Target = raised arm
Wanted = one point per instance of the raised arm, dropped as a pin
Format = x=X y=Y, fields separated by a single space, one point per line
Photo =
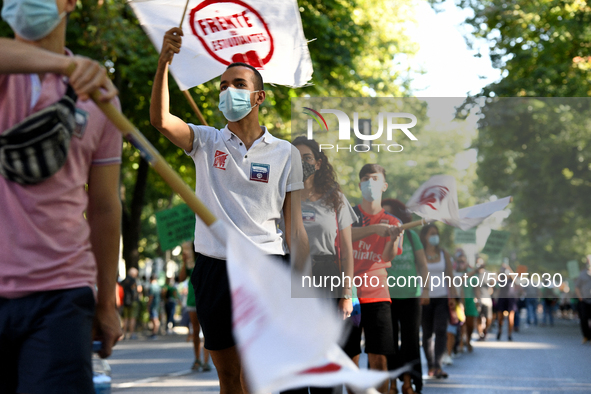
x=172 y=127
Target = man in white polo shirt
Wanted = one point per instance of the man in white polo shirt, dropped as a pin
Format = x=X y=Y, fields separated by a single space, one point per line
x=246 y=177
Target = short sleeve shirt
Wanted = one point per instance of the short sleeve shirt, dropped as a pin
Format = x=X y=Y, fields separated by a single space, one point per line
x=320 y=222
x=404 y=267
x=47 y=244
x=367 y=254
x=245 y=189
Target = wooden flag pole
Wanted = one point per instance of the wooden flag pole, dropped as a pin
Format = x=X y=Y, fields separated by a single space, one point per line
x=413 y=224
x=186 y=93
x=151 y=155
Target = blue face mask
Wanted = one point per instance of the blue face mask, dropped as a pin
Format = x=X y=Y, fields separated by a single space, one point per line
x=31 y=19
x=434 y=240
x=371 y=190
x=235 y=103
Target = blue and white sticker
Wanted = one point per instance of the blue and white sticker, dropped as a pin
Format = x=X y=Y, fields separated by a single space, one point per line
x=259 y=172
x=308 y=216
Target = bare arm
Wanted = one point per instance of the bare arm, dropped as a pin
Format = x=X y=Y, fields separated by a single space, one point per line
x=450 y=273
x=295 y=231
x=104 y=219
x=172 y=127
x=358 y=233
x=21 y=58
x=346 y=306
x=421 y=265
x=391 y=247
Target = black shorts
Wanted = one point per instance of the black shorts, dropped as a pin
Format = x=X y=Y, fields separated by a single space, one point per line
x=213 y=301
x=376 y=322
x=45 y=342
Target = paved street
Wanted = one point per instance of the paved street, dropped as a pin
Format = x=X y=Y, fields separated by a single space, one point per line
x=539 y=360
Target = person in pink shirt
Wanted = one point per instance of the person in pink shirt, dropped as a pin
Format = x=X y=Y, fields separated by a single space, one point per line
x=59 y=238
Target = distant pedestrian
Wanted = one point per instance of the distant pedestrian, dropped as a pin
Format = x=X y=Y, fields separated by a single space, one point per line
x=131 y=304
x=154 y=291
x=436 y=314
x=583 y=292
x=170 y=295
x=187 y=266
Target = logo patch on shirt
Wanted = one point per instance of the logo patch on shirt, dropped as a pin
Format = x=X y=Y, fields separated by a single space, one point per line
x=384 y=221
x=220 y=160
x=309 y=216
x=81 y=122
x=259 y=172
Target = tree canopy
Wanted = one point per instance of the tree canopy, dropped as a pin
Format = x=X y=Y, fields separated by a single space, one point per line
x=538 y=150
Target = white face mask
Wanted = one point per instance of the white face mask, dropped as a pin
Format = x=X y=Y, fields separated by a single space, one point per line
x=371 y=190
x=32 y=19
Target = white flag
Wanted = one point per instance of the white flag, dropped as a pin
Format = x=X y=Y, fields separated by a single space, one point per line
x=285 y=342
x=437 y=199
x=266 y=34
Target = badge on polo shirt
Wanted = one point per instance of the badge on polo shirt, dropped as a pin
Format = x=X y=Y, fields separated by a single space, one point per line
x=384 y=221
x=309 y=216
x=259 y=172
x=220 y=160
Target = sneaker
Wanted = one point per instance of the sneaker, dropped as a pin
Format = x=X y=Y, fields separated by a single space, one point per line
x=153 y=336
x=133 y=336
x=206 y=367
x=196 y=365
x=446 y=360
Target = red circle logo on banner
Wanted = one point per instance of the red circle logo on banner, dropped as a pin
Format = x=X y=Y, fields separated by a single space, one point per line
x=232 y=31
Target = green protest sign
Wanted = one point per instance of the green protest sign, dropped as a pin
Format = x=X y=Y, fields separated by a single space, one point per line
x=465 y=237
x=495 y=243
x=174 y=226
x=573 y=269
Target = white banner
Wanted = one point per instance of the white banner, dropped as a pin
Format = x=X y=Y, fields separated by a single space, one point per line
x=437 y=199
x=266 y=34
x=285 y=342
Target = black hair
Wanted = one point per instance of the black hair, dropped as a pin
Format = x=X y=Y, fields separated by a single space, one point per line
x=372 y=169
x=325 y=179
x=258 y=78
x=398 y=209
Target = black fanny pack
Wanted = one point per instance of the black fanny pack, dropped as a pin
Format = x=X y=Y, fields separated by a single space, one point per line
x=36 y=148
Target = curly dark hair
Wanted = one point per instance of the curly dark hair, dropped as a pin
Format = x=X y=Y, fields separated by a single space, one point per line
x=325 y=178
x=398 y=209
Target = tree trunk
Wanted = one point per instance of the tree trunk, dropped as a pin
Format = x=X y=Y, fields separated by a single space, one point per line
x=132 y=214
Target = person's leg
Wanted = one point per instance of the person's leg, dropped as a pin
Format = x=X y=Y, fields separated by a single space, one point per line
x=585 y=317
x=227 y=364
x=470 y=320
x=379 y=342
x=196 y=340
x=379 y=362
x=428 y=344
x=440 y=321
x=410 y=350
x=500 y=317
x=511 y=321
x=395 y=359
x=56 y=352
